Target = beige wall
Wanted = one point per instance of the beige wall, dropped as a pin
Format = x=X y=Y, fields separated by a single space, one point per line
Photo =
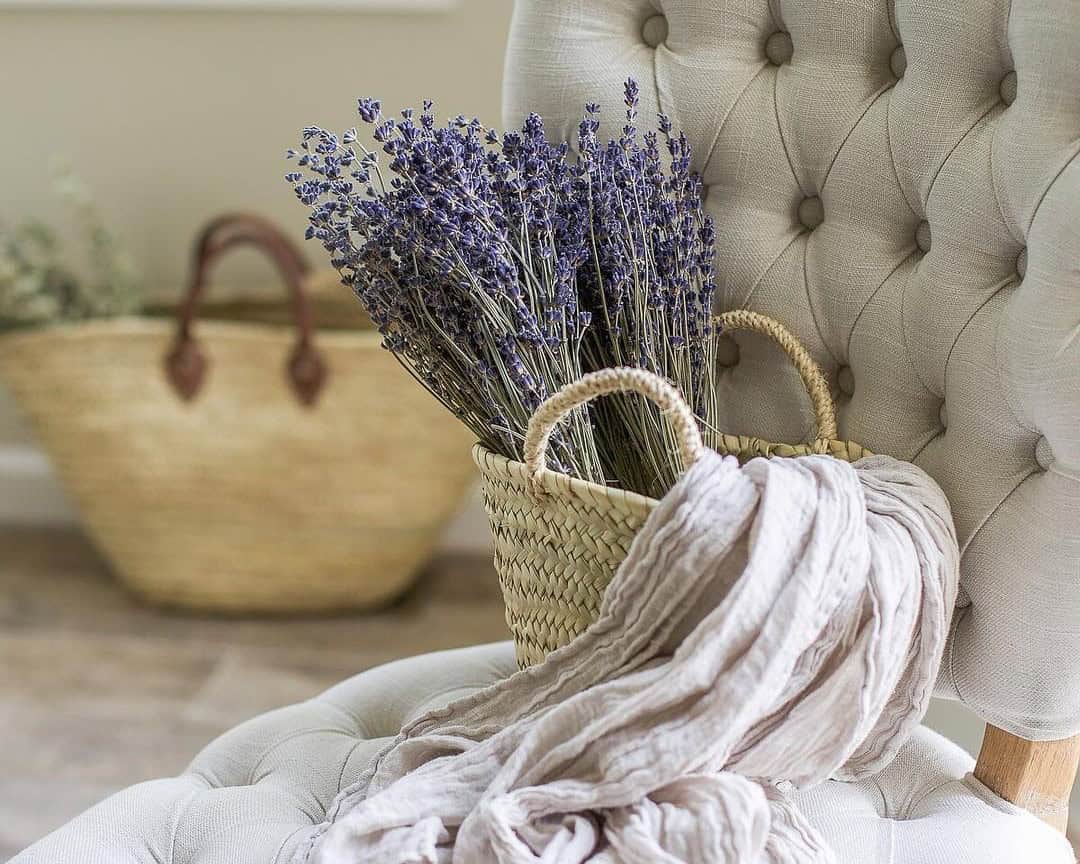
x=172 y=117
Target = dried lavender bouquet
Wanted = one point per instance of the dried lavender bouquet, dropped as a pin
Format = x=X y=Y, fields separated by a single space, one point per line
x=500 y=267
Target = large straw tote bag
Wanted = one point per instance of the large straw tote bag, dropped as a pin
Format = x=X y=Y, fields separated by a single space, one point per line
x=211 y=480
x=559 y=539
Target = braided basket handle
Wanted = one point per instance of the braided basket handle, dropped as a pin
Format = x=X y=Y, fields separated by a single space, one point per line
x=620 y=379
x=813 y=378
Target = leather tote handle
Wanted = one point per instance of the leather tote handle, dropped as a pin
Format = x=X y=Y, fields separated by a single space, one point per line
x=186 y=364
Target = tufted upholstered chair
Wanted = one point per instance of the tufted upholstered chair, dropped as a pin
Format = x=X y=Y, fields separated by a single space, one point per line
x=900 y=185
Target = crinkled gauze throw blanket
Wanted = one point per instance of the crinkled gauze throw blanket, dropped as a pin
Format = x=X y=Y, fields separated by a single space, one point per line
x=780 y=623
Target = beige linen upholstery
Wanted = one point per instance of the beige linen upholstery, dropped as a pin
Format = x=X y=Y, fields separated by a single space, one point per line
x=253 y=795
x=899 y=185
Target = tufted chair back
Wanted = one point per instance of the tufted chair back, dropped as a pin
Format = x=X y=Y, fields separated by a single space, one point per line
x=900 y=185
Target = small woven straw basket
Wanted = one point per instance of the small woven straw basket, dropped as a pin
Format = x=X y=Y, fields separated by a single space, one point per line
x=559 y=539
x=211 y=480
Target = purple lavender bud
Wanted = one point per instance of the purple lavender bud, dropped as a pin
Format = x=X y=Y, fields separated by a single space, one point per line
x=383 y=131
x=369 y=110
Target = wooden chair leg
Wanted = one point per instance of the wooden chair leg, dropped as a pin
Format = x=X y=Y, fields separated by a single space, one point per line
x=1035 y=775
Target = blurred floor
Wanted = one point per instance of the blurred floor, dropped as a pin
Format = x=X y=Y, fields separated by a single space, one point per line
x=98 y=692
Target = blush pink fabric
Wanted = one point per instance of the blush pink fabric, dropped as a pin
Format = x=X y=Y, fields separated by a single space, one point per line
x=773 y=626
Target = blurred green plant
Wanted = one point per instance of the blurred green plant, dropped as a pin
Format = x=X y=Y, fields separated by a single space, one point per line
x=39 y=285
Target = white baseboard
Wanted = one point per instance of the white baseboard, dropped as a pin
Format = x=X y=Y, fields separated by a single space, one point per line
x=469 y=532
x=29 y=490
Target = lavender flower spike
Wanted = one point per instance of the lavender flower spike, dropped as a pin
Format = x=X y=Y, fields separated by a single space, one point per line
x=500 y=267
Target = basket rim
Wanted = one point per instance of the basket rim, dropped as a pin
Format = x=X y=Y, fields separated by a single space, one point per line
x=557 y=483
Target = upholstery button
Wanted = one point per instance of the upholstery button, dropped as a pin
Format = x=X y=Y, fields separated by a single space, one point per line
x=1044 y=456
x=727 y=352
x=845 y=380
x=943 y=416
x=922 y=236
x=1007 y=88
x=811 y=212
x=898 y=61
x=778 y=48
x=1021 y=263
x=655 y=31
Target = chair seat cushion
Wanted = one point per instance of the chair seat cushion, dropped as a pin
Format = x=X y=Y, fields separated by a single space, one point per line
x=253 y=795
